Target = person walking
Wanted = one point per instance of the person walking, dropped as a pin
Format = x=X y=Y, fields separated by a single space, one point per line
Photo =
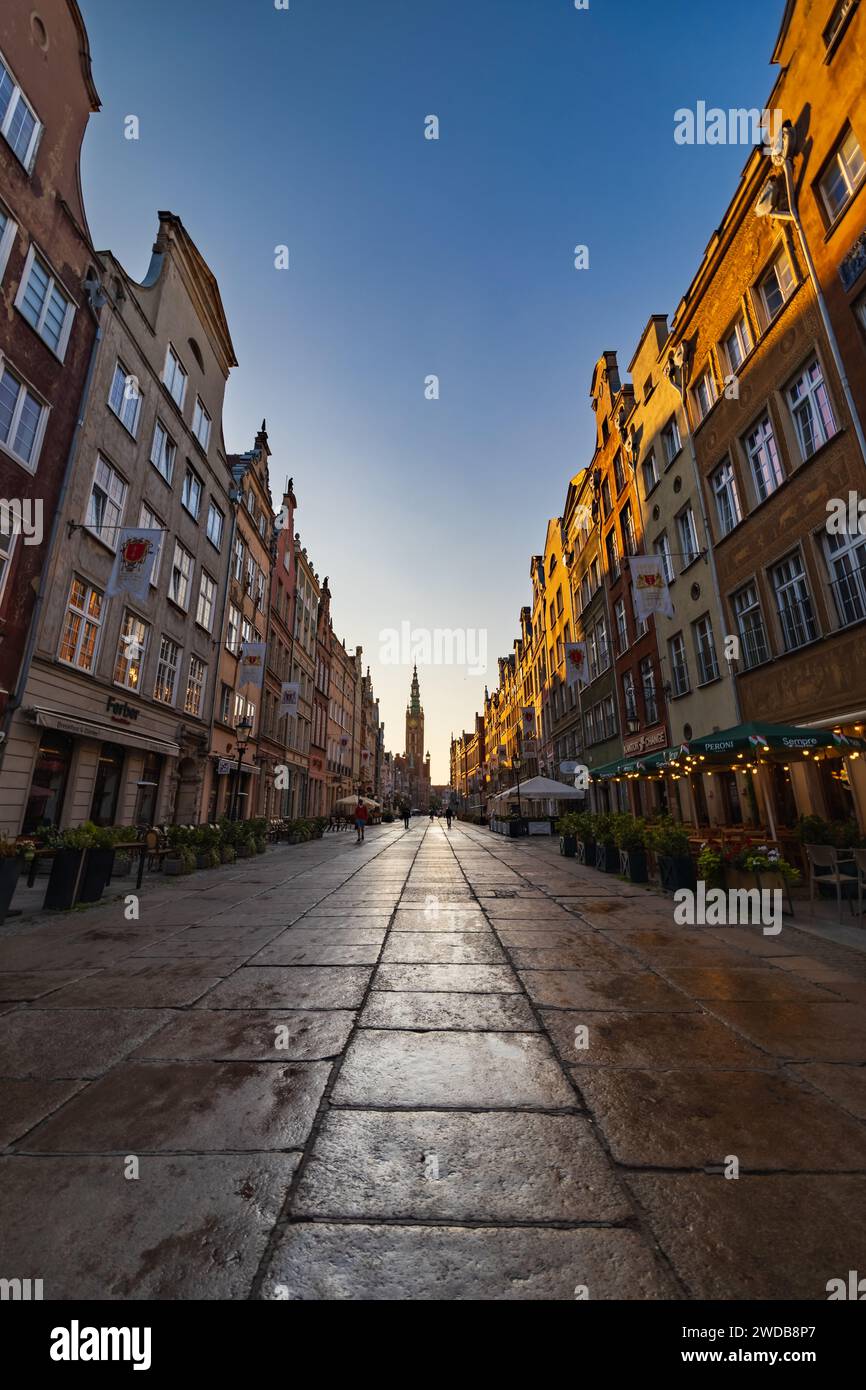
x=362 y=815
x=406 y=816
x=448 y=817
x=431 y=815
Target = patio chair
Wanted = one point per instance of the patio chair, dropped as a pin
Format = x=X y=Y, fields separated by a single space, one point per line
x=829 y=859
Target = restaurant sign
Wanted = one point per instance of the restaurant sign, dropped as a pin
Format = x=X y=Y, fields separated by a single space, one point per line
x=656 y=738
x=120 y=711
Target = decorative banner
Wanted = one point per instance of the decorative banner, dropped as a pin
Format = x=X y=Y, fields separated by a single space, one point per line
x=289 y=694
x=365 y=755
x=252 y=663
x=528 y=719
x=575 y=663
x=137 y=550
x=344 y=740
x=651 y=593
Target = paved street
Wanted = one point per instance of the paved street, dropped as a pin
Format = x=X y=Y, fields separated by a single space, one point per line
x=348 y=1073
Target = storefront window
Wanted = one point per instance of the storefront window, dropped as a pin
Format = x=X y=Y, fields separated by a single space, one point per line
x=107 y=787
x=148 y=788
x=49 y=782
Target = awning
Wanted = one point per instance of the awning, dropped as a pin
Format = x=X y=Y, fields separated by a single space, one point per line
x=757 y=738
x=109 y=733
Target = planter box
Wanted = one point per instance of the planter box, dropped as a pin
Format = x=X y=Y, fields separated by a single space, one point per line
x=97 y=871
x=633 y=864
x=173 y=866
x=9 y=871
x=607 y=859
x=227 y=854
x=676 y=872
x=568 y=845
x=586 y=853
x=244 y=852
x=517 y=828
x=202 y=861
x=63 y=882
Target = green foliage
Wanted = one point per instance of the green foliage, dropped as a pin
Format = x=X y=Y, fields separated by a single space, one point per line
x=711 y=866
x=629 y=833
x=604 y=827
x=813 y=830
x=567 y=824
x=668 y=841
x=80 y=836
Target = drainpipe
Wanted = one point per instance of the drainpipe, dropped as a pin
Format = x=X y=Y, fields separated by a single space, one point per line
x=96 y=298
x=675 y=370
x=783 y=158
x=233 y=491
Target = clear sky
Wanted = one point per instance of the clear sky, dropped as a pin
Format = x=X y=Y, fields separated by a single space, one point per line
x=411 y=257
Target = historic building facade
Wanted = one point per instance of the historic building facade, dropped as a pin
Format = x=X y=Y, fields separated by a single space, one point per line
x=114 y=721
x=49 y=292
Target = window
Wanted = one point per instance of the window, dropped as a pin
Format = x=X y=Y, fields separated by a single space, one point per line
x=608 y=711
x=612 y=556
x=629 y=539
x=621 y=626
x=671 y=440
x=705 y=393
x=181 y=576
x=603 y=647
x=260 y=592
x=763 y=457
x=225 y=703
x=843 y=175
x=201 y=423
x=215 y=521
x=19 y=124
x=107 y=499
x=618 y=471
x=250 y=586
x=131 y=649
x=776 y=286
x=630 y=697
x=794 y=602
x=705 y=650
x=22 y=419
x=585 y=591
x=689 y=548
x=149 y=519
x=80 y=636
x=679 y=665
x=250 y=501
x=195 y=687
x=738 y=343
x=248 y=634
x=191 y=492
x=7 y=236
x=725 y=492
x=175 y=377
x=662 y=548
x=7 y=545
x=595 y=575
x=233 y=630
x=846 y=561
x=837 y=23
x=641 y=628
x=162 y=451
x=45 y=305
x=238 y=565
x=650 y=472
x=206 y=600
x=605 y=497
x=648 y=682
x=750 y=626
x=860 y=312
x=124 y=398
x=166 y=671
x=811 y=409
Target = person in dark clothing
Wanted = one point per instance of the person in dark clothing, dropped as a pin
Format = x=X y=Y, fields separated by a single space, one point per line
x=448 y=817
x=406 y=816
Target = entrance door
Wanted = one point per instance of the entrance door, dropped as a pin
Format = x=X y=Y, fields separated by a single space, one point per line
x=106 y=790
x=48 y=784
x=732 y=810
x=148 y=787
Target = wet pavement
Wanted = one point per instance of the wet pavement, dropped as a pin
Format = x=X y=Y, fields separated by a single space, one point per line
x=437 y=1066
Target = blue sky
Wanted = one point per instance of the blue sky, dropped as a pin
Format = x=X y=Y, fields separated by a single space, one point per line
x=411 y=257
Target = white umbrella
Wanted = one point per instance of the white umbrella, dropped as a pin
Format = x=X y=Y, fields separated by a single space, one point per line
x=541 y=789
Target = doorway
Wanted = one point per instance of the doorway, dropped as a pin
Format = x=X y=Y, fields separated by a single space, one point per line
x=106 y=789
x=48 y=784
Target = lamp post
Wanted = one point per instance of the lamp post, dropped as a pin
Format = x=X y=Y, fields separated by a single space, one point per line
x=243 y=729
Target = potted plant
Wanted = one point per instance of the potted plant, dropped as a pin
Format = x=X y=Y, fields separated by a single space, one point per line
x=606 y=853
x=766 y=866
x=712 y=866
x=671 y=847
x=181 y=858
x=99 y=862
x=631 y=842
x=567 y=829
x=67 y=867
x=584 y=822
x=11 y=860
x=206 y=841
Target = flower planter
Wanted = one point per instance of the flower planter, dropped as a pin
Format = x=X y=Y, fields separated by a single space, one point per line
x=203 y=861
x=62 y=887
x=676 y=872
x=518 y=827
x=586 y=853
x=607 y=859
x=173 y=866
x=10 y=868
x=98 y=864
x=244 y=852
x=568 y=845
x=633 y=864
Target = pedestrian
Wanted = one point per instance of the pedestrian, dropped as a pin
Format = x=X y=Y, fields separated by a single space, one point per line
x=406 y=816
x=448 y=817
x=432 y=813
x=361 y=818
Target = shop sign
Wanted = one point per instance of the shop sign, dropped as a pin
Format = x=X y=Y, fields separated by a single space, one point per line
x=120 y=711
x=644 y=742
x=224 y=766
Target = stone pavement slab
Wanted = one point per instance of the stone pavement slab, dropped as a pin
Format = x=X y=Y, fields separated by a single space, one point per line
x=290 y=987
x=252 y=1035
x=486 y=1013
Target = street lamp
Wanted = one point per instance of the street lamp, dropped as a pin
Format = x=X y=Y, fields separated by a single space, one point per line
x=243 y=729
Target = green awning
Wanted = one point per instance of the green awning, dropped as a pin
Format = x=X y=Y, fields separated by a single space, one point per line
x=757 y=738
x=607 y=769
